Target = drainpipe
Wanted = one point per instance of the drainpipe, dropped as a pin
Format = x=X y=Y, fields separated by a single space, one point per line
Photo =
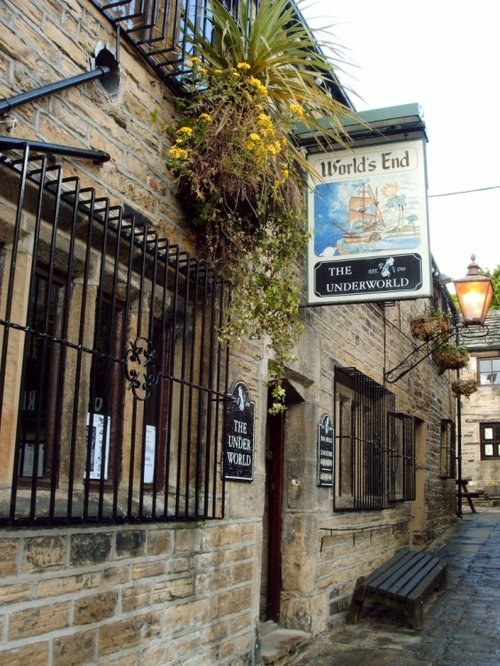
x=7 y=105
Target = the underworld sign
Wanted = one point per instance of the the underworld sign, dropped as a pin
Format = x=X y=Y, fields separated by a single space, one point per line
x=367 y=215
x=325 y=452
x=238 y=434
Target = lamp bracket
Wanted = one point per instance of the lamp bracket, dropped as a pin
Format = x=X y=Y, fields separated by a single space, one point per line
x=417 y=355
x=420 y=353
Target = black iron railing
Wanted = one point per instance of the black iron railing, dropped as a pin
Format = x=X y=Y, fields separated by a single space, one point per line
x=374 y=445
x=161 y=30
x=112 y=380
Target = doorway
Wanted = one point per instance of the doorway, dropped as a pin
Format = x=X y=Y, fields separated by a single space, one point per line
x=271 y=565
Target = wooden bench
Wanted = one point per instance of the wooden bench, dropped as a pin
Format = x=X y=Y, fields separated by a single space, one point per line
x=404 y=582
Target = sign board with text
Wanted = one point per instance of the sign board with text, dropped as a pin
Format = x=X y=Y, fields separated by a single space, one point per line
x=325 y=452
x=239 y=434
x=367 y=216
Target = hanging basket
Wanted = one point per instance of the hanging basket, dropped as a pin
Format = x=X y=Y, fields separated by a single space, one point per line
x=426 y=327
x=450 y=357
x=464 y=386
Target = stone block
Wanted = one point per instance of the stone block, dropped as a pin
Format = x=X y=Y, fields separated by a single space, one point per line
x=67 y=585
x=43 y=553
x=130 y=543
x=89 y=549
x=36 y=654
x=11 y=593
x=128 y=633
x=135 y=597
x=8 y=555
x=75 y=649
x=95 y=608
x=177 y=588
x=38 y=620
x=159 y=542
x=147 y=569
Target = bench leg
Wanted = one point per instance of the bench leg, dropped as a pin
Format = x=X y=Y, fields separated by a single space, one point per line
x=415 y=611
x=358 y=597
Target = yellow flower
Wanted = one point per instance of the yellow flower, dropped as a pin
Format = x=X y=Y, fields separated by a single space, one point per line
x=266 y=123
x=297 y=110
x=258 y=85
x=194 y=60
x=187 y=131
x=285 y=173
x=206 y=117
x=179 y=141
x=178 y=153
x=272 y=148
x=255 y=137
x=243 y=65
x=218 y=71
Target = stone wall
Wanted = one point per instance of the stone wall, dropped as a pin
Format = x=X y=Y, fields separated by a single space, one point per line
x=149 y=595
x=481 y=407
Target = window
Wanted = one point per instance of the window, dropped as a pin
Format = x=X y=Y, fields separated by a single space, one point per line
x=488 y=371
x=41 y=377
x=374 y=445
x=447 y=450
x=401 y=435
x=490 y=440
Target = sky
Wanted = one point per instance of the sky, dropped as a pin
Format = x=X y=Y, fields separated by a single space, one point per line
x=445 y=56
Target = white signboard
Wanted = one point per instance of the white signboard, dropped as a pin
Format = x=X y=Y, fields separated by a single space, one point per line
x=99 y=432
x=367 y=217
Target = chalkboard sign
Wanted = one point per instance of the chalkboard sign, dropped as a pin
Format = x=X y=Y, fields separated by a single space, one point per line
x=238 y=434
x=325 y=452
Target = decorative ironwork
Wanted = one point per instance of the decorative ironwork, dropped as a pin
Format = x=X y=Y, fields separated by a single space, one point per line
x=93 y=300
x=141 y=368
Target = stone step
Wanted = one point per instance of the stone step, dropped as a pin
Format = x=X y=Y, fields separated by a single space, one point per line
x=278 y=645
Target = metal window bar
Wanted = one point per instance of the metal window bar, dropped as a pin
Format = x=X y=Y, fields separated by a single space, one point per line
x=361 y=442
x=101 y=315
x=401 y=447
x=161 y=31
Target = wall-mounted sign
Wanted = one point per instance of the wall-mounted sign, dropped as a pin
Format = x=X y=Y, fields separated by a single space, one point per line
x=238 y=434
x=367 y=216
x=325 y=452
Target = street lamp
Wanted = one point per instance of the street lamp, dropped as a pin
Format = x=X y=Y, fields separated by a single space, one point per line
x=474 y=293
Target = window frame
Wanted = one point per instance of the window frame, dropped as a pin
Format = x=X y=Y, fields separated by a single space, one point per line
x=486 y=440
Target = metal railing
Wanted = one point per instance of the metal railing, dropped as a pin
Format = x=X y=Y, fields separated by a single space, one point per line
x=112 y=379
x=374 y=445
x=161 y=30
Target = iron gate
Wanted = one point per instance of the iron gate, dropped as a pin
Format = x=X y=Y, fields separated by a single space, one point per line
x=112 y=379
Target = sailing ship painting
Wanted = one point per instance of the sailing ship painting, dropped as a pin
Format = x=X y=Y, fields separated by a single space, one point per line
x=355 y=217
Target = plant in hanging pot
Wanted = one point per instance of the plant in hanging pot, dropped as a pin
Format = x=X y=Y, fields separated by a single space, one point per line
x=239 y=170
x=428 y=325
x=464 y=387
x=450 y=357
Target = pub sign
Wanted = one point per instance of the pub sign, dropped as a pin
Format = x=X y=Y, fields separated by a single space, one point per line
x=238 y=434
x=367 y=217
x=325 y=452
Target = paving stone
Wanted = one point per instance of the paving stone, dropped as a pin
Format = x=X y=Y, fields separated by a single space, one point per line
x=460 y=627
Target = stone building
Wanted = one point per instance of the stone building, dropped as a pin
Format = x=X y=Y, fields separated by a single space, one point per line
x=481 y=410
x=121 y=541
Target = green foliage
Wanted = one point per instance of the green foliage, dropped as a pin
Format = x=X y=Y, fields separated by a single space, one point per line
x=239 y=169
x=495 y=279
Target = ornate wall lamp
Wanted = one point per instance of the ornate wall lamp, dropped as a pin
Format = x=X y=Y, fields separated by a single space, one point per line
x=475 y=294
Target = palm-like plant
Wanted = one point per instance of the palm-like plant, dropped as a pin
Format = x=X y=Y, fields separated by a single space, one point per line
x=236 y=158
x=283 y=54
